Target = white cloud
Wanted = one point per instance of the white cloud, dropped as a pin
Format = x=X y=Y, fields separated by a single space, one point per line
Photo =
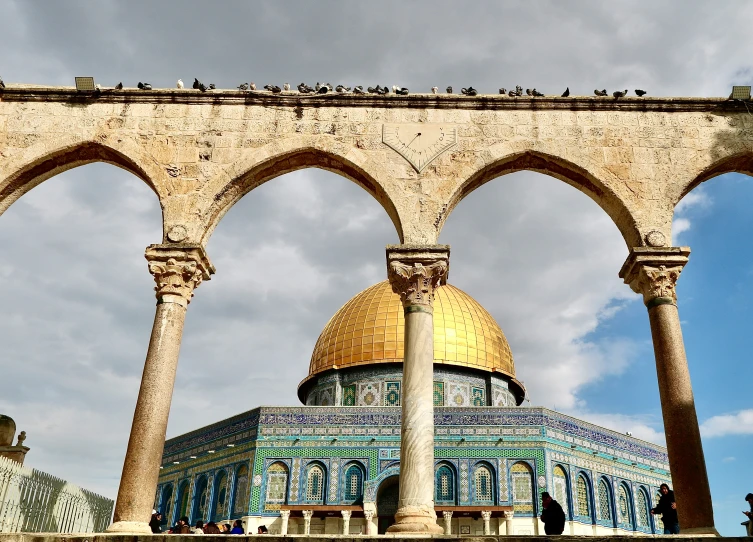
x=729 y=459
x=738 y=423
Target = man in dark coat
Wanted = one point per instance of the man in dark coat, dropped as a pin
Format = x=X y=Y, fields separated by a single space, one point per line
x=553 y=516
x=668 y=510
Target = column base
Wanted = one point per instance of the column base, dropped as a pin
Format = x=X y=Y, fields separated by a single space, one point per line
x=700 y=531
x=414 y=519
x=129 y=527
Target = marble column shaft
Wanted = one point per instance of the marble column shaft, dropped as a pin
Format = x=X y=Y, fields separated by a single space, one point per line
x=447 y=515
x=369 y=516
x=486 y=515
x=415 y=271
x=284 y=521
x=307 y=521
x=346 y=521
x=653 y=272
x=177 y=271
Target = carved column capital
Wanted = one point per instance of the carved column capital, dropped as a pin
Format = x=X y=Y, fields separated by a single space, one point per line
x=509 y=514
x=447 y=515
x=285 y=514
x=653 y=272
x=307 y=514
x=368 y=514
x=346 y=514
x=415 y=271
x=178 y=270
x=486 y=515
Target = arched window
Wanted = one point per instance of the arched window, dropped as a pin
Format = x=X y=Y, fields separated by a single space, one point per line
x=584 y=501
x=315 y=484
x=445 y=485
x=166 y=503
x=353 y=484
x=184 y=494
x=240 y=493
x=642 y=509
x=561 y=494
x=221 y=496
x=277 y=483
x=625 y=508
x=482 y=479
x=605 y=501
x=522 y=488
x=201 y=499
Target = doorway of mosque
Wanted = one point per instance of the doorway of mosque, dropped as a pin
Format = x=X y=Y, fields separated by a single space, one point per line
x=389 y=492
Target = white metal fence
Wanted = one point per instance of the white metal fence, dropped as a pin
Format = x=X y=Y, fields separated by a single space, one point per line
x=34 y=501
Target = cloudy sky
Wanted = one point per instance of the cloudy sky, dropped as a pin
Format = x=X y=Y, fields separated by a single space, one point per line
x=540 y=256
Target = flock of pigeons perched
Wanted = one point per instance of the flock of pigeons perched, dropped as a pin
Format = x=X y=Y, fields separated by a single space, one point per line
x=303 y=88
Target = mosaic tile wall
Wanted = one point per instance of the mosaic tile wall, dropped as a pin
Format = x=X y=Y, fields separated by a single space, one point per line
x=380 y=387
x=337 y=437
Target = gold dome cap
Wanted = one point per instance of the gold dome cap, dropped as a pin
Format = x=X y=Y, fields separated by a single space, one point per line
x=370 y=329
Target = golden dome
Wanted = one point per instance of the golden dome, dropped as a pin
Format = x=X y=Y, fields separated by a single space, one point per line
x=370 y=329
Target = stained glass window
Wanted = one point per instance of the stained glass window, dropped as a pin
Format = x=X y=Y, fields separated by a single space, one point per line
x=392 y=394
x=438 y=393
x=642 y=509
x=445 y=484
x=522 y=488
x=483 y=480
x=201 y=501
x=560 y=487
x=221 y=495
x=184 y=500
x=277 y=483
x=315 y=484
x=240 y=499
x=478 y=397
x=623 y=500
x=166 y=506
x=583 y=498
x=353 y=483
x=605 y=503
x=349 y=395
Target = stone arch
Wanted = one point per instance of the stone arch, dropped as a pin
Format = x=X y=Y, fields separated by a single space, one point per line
x=265 y=164
x=740 y=162
x=41 y=163
x=573 y=174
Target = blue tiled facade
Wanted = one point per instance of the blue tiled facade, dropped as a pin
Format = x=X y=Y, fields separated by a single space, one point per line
x=277 y=447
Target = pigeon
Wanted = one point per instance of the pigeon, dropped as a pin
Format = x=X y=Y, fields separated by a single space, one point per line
x=252 y=86
x=202 y=87
x=619 y=93
x=358 y=90
x=566 y=93
x=342 y=89
x=401 y=91
x=317 y=87
x=503 y=90
x=329 y=86
x=303 y=88
x=323 y=89
x=211 y=86
x=119 y=86
x=384 y=90
x=639 y=92
x=600 y=92
x=286 y=86
x=470 y=91
x=179 y=84
x=2 y=83
x=243 y=86
x=518 y=90
x=196 y=83
x=434 y=90
x=98 y=87
x=449 y=90
x=394 y=88
x=273 y=89
x=372 y=90
x=528 y=92
x=536 y=93
x=144 y=86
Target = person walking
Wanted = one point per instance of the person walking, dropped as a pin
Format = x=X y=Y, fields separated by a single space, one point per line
x=749 y=523
x=668 y=510
x=552 y=516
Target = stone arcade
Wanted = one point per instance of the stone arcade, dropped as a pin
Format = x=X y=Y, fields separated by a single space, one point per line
x=201 y=152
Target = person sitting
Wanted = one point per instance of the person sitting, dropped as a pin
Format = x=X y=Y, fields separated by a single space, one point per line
x=155 y=524
x=238 y=527
x=199 y=528
x=262 y=530
x=211 y=528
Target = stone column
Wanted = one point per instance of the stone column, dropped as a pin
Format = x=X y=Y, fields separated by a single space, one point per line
x=486 y=515
x=369 y=516
x=415 y=271
x=346 y=521
x=284 y=518
x=307 y=521
x=653 y=272
x=447 y=514
x=508 y=522
x=178 y=270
